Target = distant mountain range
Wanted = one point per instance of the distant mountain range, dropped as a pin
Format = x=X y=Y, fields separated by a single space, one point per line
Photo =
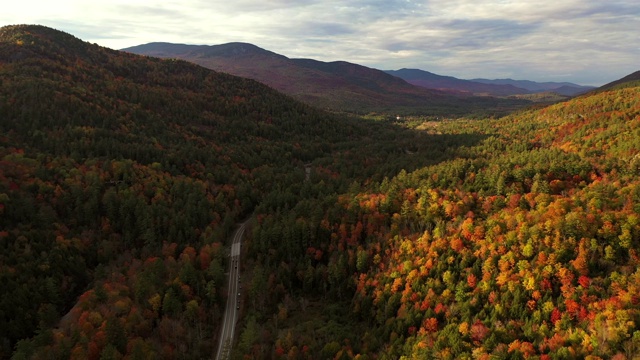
x=344 y=85
x=562 y=88
x=337 y=85
x=499 y=87
x=449 y=83
x=329 y=85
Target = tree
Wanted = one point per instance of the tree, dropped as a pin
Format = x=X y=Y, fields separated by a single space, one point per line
x=116 y=336
x=110 y=353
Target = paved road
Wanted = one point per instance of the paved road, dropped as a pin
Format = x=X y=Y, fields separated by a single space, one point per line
x=233 y=299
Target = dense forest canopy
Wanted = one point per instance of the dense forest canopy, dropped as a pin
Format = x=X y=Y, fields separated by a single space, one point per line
x=122 y=176
x=108 y=158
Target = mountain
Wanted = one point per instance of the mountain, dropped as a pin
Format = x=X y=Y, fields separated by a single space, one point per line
x=501 y=87
x=521 y=245
x=108 y=157
x=334 y=85
x=630 y=80
x=563 y=88
x=468 y=274
x=448 y=83
x=122 y=175
x=569 y=90
x=457 y=259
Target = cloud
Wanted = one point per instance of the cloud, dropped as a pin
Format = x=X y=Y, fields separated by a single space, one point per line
x=584 y=41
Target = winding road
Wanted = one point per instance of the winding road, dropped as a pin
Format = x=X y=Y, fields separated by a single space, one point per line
x=233 y=298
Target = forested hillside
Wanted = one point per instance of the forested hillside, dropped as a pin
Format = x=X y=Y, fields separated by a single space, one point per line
x=121 y=177
x=524 y=245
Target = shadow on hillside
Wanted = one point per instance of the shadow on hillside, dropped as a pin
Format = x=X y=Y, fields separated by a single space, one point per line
x=392 y=148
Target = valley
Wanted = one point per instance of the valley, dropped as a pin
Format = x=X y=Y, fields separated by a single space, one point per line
x=374 y=233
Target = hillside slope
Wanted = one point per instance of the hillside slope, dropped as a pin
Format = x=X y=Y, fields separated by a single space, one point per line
x=630 y=79
x=121 y=176
x=334 y=85
x=524 y=245
x=112 y=163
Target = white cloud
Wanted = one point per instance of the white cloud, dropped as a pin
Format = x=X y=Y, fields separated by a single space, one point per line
x=584 y=41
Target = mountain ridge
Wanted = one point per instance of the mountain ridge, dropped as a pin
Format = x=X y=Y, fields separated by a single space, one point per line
x=633 y=77
x=265 y=64
x=229 y=49
x=336 y=85
x=430 y=80
x=563 y=88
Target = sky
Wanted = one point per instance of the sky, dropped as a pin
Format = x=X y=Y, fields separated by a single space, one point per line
x=587 y=42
